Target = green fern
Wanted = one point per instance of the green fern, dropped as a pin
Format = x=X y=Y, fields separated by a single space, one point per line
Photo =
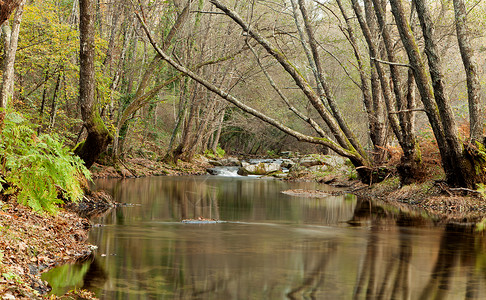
x=38 y=168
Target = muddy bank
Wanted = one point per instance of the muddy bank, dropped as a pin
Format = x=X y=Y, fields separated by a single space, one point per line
x=33 y=243
x=435 y=198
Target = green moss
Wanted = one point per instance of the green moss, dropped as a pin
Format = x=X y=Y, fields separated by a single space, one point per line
x=391 y=182
x=78 y=146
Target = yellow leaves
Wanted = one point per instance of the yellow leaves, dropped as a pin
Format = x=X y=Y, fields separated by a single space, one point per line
x=49 y=44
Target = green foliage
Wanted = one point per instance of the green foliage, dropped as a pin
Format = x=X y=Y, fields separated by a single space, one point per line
x=271 y=153
x=353 y=175
x=219 y=153
x=481 y=188
x=38 y=169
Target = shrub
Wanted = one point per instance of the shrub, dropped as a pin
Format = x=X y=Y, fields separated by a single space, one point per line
x=38 y=169
x=219 y=153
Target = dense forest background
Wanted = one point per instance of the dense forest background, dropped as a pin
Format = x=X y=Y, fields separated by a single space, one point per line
x=370 y=80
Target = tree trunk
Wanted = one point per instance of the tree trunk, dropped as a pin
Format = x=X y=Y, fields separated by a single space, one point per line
x=217 y=134
x=370 y=90
x=460 y=167
x=385 y=87
x=458 y=172
x=43 y=102
x=303 y=85
x=476 y=116
x=141 y=98
x=52 y=119
x=7 y=7
x=411 y=168
x=11 y=42
x=98 y=136
x=323 y=82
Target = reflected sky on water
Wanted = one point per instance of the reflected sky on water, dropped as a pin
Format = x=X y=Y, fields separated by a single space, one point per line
x=270 y=246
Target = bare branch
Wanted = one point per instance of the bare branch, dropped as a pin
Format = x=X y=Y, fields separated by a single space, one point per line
x=207 y=12
x=230 y=98
x=407 y=110
x=390 y=63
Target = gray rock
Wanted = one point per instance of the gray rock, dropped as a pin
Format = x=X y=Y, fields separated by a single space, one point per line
x=258 y=169
x=230 y=162
x=310 y=161
x=287 y=163
x=215 y=162
x=212 y=171
x=318 y=168
x=335 y=161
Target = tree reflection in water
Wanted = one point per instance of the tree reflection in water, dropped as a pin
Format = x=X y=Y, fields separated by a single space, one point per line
x=277 y=247
x=455 y=273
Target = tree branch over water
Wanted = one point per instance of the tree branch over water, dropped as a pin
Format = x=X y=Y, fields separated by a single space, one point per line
x=230 y=98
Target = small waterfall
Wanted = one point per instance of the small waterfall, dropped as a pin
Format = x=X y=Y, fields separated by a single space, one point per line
x=224 y=171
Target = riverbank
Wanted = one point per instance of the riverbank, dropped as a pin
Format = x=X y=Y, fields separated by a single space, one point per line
x=32 y=243
x=141 y=167
x=432 y=197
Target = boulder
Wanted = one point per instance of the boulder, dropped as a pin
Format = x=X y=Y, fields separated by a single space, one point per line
x=212 y=171
x=319 y=168
x=287 y=163
x=230 y=162
x=310 y=161
x=289 y=154
x=332 y=161
x=258 y=169
x=215 y=162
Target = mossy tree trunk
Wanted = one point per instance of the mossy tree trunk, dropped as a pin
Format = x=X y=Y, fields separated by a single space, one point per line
x=463 y=164
x=98 y=135
x=371 y=93
x=476 y=105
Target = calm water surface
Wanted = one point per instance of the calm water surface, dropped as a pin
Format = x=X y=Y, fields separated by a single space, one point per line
x=272 y=246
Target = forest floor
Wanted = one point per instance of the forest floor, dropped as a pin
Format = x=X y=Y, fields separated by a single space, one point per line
x=31 y=243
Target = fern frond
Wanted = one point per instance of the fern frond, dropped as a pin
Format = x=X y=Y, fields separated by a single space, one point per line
x=40 y=168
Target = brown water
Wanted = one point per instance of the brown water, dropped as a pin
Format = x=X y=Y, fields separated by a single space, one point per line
x=272 y=246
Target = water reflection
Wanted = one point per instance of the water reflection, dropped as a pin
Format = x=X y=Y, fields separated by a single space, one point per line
x=274 y=246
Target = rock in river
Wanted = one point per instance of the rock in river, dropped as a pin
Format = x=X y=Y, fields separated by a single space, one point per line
x=258 y=169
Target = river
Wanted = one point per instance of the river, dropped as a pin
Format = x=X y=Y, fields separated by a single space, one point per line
x=268 y=245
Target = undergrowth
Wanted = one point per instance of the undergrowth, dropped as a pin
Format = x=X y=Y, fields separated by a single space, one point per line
x=39 y=170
